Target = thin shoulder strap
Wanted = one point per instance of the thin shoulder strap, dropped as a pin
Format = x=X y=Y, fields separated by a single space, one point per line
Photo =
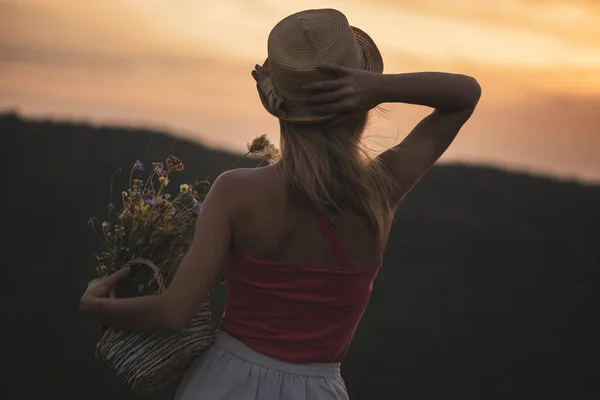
x=333 y=238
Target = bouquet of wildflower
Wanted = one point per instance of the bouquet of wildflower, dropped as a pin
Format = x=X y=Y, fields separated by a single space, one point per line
x=151 y=233
x=152 y=225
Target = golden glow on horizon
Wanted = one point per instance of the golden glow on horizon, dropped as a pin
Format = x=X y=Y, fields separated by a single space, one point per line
x=185 y=64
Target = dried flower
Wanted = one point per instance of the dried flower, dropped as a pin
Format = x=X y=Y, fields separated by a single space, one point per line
x=174 y=163
x=154 y=224
x=101 y=269
x=272 y=154
x=258 y=144
x=262 y=146
x=158 y=168
x=138 y=166
x=151 y=202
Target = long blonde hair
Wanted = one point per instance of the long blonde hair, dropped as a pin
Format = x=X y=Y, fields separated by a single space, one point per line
x=331 y=168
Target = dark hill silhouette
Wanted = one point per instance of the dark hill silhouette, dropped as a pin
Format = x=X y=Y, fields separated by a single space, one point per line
x=489 y=288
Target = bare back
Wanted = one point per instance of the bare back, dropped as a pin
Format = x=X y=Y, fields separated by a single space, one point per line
x=269 y=225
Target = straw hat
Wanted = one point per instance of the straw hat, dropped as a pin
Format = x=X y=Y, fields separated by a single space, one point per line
x=296 y=46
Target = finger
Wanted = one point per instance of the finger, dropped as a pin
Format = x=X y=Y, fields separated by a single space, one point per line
x=111 y=280
x=328 y=97
x=324 y=86
x=94 y=281
x=333 y=69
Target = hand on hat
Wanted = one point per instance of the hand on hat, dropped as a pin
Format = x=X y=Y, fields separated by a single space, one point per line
x=352 y=91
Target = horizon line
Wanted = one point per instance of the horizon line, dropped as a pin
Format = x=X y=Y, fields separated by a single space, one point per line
x=200 y=139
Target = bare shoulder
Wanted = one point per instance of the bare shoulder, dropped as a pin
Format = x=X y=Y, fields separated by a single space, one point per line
x=254 y=200
x=229 y=180
x=240 y=186
x=242 y=179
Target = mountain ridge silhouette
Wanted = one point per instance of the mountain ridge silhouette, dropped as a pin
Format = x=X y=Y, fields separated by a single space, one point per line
x=488 y=289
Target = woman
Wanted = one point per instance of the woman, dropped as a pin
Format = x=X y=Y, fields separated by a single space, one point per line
x=305 y=237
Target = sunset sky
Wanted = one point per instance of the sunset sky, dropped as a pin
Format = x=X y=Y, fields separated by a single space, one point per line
x=184 y=65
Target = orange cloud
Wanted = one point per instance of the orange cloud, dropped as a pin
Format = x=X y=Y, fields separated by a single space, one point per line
x=575 y=21
x=173 y=64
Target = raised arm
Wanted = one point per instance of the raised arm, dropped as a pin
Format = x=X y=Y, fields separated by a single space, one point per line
x=453 y=97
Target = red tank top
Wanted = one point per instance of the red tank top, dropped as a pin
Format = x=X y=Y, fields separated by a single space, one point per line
x=293 y=312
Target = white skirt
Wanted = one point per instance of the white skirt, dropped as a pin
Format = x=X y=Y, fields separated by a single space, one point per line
x=232 y=370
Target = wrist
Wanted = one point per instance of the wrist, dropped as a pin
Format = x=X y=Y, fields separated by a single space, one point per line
x=386 y=87
x=89 y=306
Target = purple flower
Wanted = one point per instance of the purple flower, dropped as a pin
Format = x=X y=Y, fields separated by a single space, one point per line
x=151 y=202
x=159 y=170
x=138 y=165
x=112 y=251
x=106 y=226
x=198 y=207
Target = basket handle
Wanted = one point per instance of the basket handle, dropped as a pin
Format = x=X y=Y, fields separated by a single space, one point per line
x=105 y=332
x=160 y=281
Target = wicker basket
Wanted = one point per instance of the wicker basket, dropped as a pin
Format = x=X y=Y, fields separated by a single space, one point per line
x=148 y=362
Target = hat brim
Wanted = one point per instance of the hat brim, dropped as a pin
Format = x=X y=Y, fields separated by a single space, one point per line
x=372 y=61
